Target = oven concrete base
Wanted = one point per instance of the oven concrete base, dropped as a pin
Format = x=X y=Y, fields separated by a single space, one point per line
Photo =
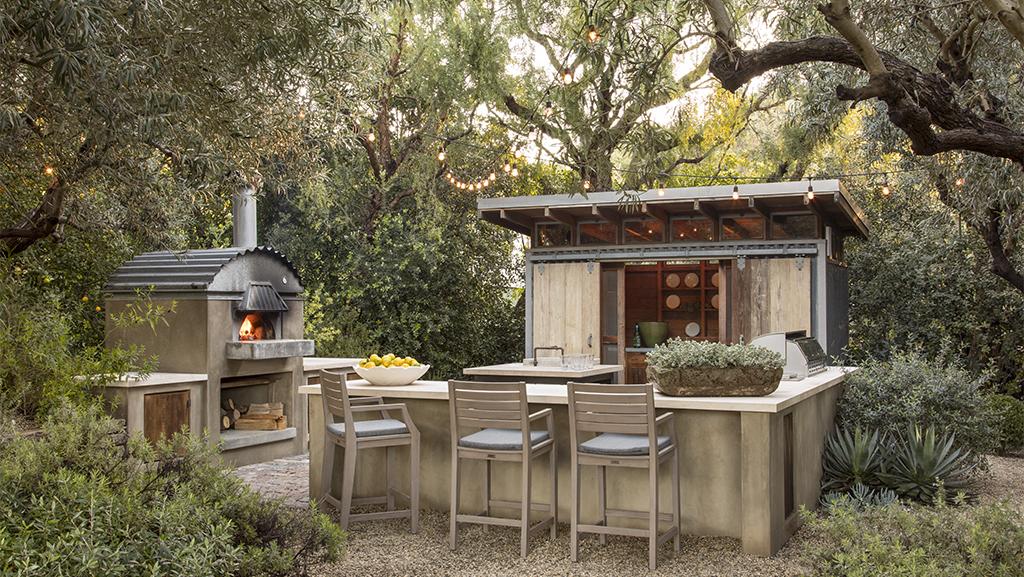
x=737 y=466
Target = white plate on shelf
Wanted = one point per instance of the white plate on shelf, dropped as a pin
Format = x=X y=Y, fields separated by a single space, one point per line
x=692 y=329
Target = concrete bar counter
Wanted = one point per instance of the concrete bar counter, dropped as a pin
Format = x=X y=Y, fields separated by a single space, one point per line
x=747 y=464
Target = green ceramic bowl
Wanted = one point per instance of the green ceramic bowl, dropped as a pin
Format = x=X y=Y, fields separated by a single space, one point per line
x=653 y=333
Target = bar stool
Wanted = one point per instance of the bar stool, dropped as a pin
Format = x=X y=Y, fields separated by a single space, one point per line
x=623 y=418
x=501 y=413
x=384 y=432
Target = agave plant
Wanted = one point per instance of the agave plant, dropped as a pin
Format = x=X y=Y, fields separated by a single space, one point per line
x=852 y=458
x=924 y=463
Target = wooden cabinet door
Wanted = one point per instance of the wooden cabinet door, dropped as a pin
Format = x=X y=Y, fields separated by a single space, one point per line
x=567 y=307
x=165 y=414
x=636 y=368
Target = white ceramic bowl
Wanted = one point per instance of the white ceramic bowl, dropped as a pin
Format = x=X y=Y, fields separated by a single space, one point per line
x=392 y=376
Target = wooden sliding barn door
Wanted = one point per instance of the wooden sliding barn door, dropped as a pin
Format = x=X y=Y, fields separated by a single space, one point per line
x=768 y=295
x=567 y=307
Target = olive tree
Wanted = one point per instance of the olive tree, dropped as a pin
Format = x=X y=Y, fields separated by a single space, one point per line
x=125 y=105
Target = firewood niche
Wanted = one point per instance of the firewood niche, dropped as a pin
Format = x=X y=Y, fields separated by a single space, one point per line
x=252 y=417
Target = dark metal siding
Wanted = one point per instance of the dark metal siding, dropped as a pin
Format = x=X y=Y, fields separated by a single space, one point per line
x=837 y=312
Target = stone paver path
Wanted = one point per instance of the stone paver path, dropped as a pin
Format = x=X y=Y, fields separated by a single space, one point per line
x=286 y=479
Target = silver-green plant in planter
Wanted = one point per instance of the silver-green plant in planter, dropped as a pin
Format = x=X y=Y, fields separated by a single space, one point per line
x=684 y=368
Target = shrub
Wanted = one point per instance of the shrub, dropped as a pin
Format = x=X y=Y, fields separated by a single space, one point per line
x=86 y=500
x=914 y=541
x=1009 y=417
x=678 y=353
x=907 y=391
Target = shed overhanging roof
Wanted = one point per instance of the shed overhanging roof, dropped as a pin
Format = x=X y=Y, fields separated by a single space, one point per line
x=831 y=201
x=188 y=270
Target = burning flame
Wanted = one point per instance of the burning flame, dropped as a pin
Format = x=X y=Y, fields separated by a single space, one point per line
x=254 y=329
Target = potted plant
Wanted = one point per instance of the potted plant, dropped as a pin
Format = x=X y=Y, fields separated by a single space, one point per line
x=685 y=368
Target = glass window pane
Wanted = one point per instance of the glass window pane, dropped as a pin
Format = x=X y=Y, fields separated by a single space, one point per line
x=556 y=234
x=794 y=226
x=692 y=229
x=742 y=228
x=599 y=233
x=646 y=230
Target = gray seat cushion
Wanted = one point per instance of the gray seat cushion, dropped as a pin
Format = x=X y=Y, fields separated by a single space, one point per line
x=620 y=444
x=501 y=439
x=374 y=428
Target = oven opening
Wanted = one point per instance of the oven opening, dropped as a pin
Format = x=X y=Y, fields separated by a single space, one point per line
x=256 y=326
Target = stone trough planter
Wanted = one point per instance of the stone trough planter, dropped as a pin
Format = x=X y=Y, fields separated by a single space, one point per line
x=715 y=381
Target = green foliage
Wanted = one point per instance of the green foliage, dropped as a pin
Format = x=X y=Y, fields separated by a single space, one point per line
x=859 y=497
x=923 y=463
x=1009 y=414
x=907 y=391
x=42 y=360
x=852 y=459
x=86 y=500
x=915 y=465
x=678 y=353
x=914 y=541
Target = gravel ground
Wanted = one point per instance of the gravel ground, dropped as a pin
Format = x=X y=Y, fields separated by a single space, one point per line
x=386 y=548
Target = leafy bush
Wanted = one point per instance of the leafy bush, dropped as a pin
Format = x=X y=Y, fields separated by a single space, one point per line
x=1009 y=415
x=907 y=391
x=915 y=465
x=914 y=541
x=677 y=353
x=87 y=500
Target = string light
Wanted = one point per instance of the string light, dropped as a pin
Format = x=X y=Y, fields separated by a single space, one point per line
x=492 y=177
x=810 y=190
x=567 y=77
x=960 y=181
x=515 y=171
x=735 y=192
x=548 y=109
x=371 y=137
x=507 y=167
x=886 y=191
x=586 y=184
x=441 y=155
x=592 y=34
x=48 y=170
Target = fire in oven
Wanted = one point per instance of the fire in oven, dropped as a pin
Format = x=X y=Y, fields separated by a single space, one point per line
x=258 y=316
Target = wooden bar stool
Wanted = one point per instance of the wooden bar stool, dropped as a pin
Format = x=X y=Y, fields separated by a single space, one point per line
x=501 y=413
x=623 y=418
x=383 y=432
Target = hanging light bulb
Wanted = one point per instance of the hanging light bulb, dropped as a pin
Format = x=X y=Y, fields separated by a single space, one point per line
x=593 y=35
x=371 y=137
x=567 y=77
x=492 y=177
x=886 y=191
x=549 y=109
x=441 y=155
x=586 y=184
x=960 y=181
x=507 y=167
x=810 y=190
x=48 y=170
x=515 y=171
x=735 y=192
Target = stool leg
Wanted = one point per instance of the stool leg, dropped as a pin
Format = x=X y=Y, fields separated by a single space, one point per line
x=574 y=536
x=675 y=499
x=387 y=479
x=348 y=482
x=487 y=491
x=326 y=471
x=524 y=530
x=652 y=537
x=414 y=484
x=602 y=500
x=453 y=535
x=552 y=464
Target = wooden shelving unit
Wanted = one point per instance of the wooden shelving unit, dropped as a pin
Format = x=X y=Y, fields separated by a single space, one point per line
x=695 y=302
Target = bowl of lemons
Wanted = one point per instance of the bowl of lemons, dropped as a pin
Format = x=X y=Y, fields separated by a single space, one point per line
x=390 y=370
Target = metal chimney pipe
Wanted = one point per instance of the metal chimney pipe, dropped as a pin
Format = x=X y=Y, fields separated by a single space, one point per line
x=243 y=217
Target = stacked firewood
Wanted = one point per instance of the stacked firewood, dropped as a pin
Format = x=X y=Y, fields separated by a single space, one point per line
x=252 y=417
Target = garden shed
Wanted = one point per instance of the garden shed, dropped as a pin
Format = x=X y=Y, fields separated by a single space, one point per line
x=723 y=263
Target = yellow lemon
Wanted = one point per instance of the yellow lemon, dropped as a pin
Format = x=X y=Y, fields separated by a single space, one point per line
x=389 y=356
x=409 y=359
x=369 y=365
x=375 y=358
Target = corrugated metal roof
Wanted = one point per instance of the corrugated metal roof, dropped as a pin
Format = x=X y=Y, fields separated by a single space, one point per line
x=189 y=270
x=261 y=296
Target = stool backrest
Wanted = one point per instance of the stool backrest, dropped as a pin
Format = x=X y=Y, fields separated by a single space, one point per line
x=485 y=405
x=334 y=392
x=600 y=408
